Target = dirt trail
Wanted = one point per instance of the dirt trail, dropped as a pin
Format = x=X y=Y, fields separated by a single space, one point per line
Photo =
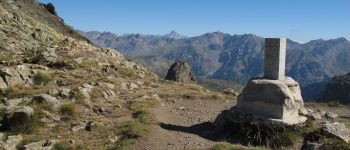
x=182 y=124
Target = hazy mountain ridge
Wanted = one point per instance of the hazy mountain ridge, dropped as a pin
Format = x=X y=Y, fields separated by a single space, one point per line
x=235 y=57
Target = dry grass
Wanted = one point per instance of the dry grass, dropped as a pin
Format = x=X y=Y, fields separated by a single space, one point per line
x=42 y=78
x=68 y=110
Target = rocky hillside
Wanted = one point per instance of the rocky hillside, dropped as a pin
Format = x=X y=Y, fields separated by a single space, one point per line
x=57 y=91
x=234 y=57
x=338 y=89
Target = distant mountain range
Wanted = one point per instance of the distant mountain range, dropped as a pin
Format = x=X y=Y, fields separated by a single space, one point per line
x=233 y=57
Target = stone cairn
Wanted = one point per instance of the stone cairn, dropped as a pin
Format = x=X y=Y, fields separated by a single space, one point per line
x=272 y=99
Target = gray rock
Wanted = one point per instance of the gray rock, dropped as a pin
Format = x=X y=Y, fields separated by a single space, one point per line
x=48 y=99
x=331 y=115
x=181 y=72
x=41 y=145
x=274 y=99
x=65 y=92
x=337 y=129
x=315 y=115
x=11 y=142
x=86 y=90
x=3 y=84
x=24 y=112
x=311 y=146
x=109 y=95
x=230 y=91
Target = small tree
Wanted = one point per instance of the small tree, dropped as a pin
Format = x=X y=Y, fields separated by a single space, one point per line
x=51 y=8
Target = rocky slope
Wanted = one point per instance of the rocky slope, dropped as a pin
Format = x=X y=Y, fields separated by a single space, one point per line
x=58 y=91
x=338 y=89
x=234 y=57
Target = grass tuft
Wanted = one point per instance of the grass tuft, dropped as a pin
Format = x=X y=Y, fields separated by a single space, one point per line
x=68 y=110
x=42 y=78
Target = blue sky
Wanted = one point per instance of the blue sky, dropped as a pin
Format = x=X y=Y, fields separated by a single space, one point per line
x=300 y=20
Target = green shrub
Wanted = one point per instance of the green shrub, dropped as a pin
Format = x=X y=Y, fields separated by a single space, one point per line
x=51 y=8
x=64 y=145
x=142 y=116
x=228 y=146
x=42 y=78
x=334 y=143
x=24 y=125
x=68 y=110
x=6 y=57
x=131 y=129
x=122 y=145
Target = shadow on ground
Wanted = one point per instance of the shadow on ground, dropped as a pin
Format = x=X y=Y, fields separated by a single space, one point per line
x=205 y=130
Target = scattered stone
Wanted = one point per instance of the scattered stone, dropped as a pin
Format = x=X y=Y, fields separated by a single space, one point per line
x=11 y=142
x=109 y=95
x=311 y=146
x=181 y=72
x=182 y=108
x=65 y=93
x=331 y=115
x=53 y=92
x=337 y=129
x=99 y=110
x=230 y=91
x=71 y=141
x=114 y=139
x=133 y=86
x=41 y=145
x=315 y=115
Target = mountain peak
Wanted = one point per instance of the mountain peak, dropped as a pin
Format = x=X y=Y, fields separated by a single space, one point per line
x=174 y=35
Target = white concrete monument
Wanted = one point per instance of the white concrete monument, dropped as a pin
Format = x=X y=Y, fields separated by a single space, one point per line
x=275 y=58
x=274 y=97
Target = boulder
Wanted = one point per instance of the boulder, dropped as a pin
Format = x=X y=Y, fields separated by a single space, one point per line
x=337 y=129
x=24 y=112
x=338 y=89
x=20 y=74
x=47 y=99
x=86 y=90
x=278 y=100
x=181 y=72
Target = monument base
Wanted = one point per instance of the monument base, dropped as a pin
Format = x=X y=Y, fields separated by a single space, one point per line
x=269 y=102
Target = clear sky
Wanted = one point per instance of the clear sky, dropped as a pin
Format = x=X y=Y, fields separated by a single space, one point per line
x=300 y=20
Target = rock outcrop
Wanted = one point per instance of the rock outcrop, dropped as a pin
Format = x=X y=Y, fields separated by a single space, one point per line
x=338 y=130
x=338 y=89
x=181 y=72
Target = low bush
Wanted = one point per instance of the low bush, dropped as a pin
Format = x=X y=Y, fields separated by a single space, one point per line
x=23 y=125
x=68 y=110
x=142 y=116
x=42 y=78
